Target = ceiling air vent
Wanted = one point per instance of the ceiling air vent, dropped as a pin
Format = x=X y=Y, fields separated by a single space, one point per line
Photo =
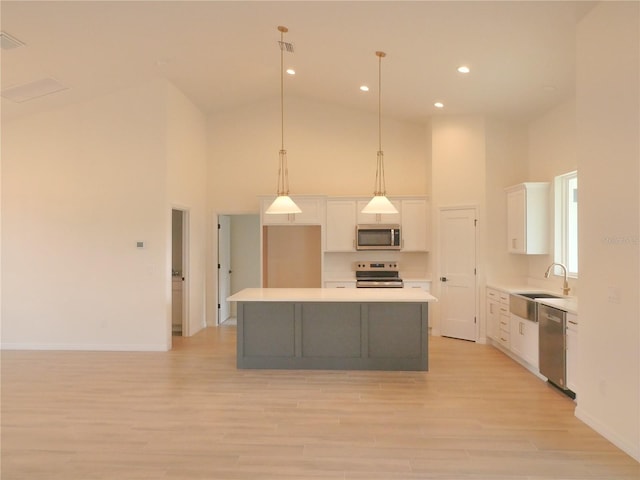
x=29 y=91
x=7 y=42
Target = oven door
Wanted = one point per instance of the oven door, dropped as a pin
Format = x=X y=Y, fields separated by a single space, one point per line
x=380 y=283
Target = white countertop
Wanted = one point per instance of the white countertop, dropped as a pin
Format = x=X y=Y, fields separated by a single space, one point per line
x=566 y=303
x=332 y=295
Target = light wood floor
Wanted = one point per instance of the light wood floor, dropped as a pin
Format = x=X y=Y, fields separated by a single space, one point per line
x=189 y=414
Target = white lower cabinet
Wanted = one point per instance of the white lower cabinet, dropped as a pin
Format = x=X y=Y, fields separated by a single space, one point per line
x=493 y=314
x=334 y=284
x=504 y=323
x=418 y=284
x=572 y=351
x=517 y=335
x=524 y=340
x=504 y=333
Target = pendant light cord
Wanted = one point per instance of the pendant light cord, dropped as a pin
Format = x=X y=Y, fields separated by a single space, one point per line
x=380 y=55
x=283 y=170
x=282 y=30
x=381 y=188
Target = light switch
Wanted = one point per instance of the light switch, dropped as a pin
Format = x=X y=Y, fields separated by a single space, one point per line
x=613 y=294
x=139 y=244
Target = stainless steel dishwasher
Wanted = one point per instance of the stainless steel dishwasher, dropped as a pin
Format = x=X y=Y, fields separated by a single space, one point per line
x=552 y=345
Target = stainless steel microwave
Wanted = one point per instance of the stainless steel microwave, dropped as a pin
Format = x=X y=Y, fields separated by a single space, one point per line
x=378 y=237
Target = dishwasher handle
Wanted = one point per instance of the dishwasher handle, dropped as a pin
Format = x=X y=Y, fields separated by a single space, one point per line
x=552 y=318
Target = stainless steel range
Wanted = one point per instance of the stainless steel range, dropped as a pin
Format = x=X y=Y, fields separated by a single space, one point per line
x=378 y=275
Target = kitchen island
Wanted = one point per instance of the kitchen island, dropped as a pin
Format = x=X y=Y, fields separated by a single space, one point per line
x=332 y=329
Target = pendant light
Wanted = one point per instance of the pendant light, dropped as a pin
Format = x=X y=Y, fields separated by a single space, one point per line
x=380 y=203
x=283 y=203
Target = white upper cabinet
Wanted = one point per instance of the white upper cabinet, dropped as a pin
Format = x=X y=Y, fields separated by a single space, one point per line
x=313 y=211
x=415 y=225
x=343 y=214
x=384 y=218
x=528 y=218
x=341 y=225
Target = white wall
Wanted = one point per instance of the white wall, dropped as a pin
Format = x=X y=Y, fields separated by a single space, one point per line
x=100 y=177
x=186 y=150
x=506 y=165
x=458 y=158
x=331 y=150
x=81 y=186
x=608 y=152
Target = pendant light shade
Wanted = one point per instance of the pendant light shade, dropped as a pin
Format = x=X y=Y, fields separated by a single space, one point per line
x=380 y=203
x=283 y=203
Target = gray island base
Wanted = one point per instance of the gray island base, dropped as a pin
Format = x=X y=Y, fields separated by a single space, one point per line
x=331 y=329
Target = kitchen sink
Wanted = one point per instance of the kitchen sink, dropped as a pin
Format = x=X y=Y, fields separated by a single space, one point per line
x=537 y=295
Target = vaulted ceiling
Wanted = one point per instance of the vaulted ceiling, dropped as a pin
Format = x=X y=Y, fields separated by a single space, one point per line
x=223 y=54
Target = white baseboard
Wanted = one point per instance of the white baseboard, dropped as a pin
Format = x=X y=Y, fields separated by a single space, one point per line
x=85 y=347
x=632 y=450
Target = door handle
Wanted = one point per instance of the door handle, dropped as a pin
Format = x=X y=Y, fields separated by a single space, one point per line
x=443 y=279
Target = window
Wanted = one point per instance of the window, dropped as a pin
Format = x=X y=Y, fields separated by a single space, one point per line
x=566 y=215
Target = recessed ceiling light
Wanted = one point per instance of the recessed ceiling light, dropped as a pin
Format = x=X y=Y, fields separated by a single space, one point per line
x=438 y=105
x=463 y=69
x=291 y=71
x=364 y=88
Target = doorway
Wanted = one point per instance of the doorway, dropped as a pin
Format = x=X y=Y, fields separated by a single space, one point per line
x=238 y=260
x=179 y=259
x=457 y=260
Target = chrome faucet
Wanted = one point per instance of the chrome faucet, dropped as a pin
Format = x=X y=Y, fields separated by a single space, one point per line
x=565 y=285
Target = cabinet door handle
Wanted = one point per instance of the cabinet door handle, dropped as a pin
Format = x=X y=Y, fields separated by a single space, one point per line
x=513 y=243
x=443 y=279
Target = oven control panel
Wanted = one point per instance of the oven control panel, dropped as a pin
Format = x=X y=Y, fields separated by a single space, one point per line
x=376 y=266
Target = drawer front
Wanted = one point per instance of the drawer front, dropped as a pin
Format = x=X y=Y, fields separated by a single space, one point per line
x=504 y=338
x=504 y=298
x=493 y=294
x=505 y=323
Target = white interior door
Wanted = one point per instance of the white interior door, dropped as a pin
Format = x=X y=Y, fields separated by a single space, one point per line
x=458 y=273
x=224 y=267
